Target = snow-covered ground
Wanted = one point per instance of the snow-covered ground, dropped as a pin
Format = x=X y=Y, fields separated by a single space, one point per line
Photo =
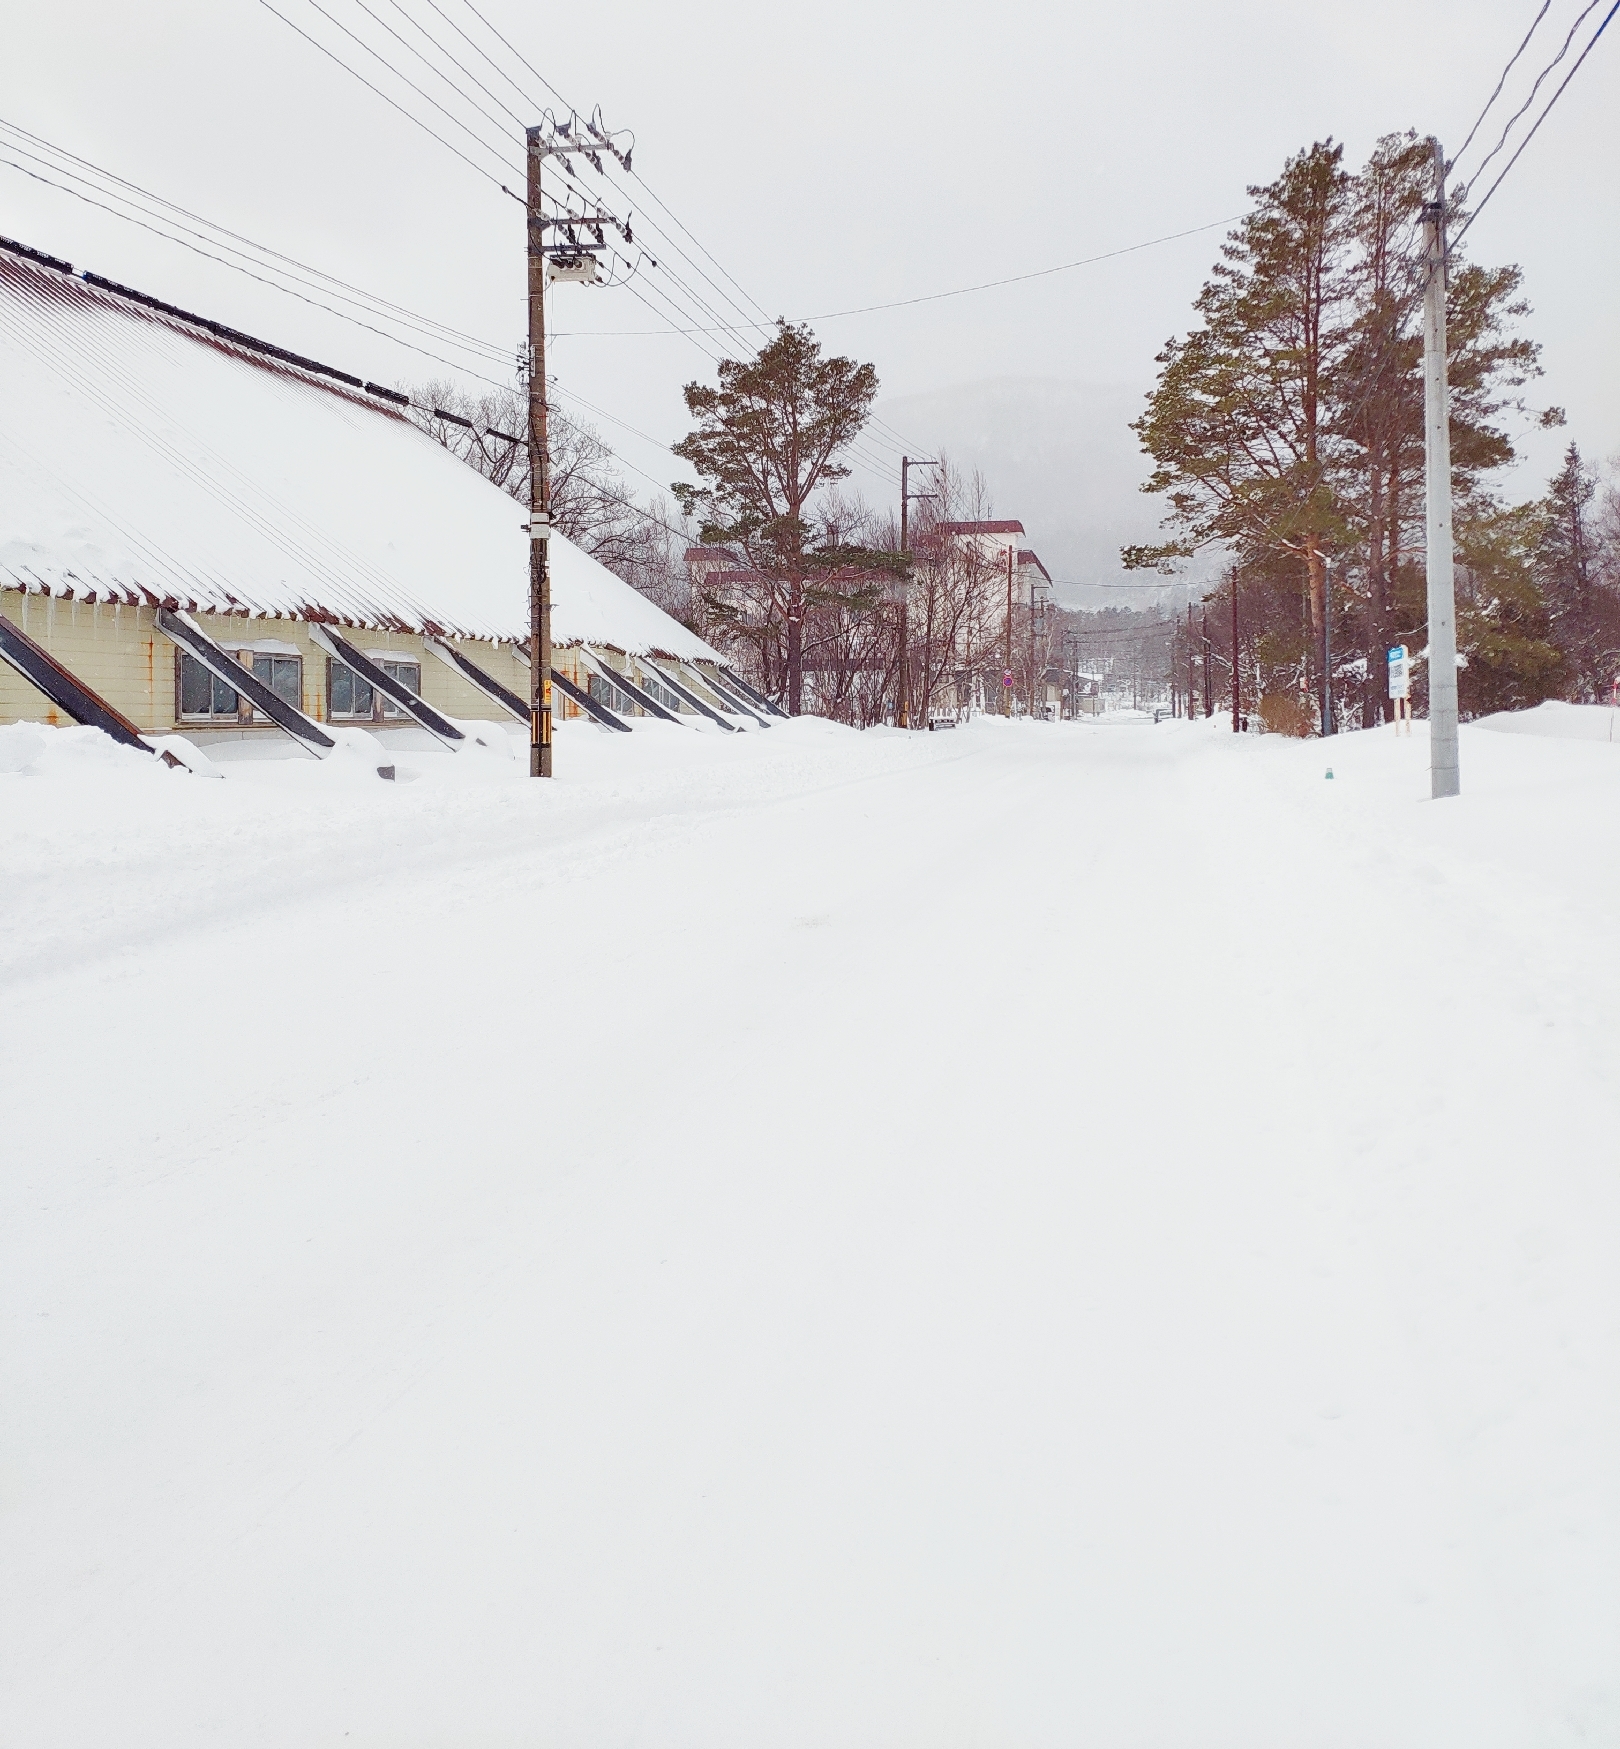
x=1035 y=1235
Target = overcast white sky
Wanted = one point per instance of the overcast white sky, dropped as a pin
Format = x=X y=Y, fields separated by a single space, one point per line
x=832 y=157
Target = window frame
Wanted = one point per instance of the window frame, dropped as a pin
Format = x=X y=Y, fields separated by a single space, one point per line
x=244 y=715
x=383 y=709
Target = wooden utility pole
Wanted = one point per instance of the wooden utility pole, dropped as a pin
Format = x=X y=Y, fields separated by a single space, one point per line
x=1006 y=665
x=1209 y=691
x=1237 y=682
x=1445 y=778
x=539 y=482
x=1192 y=670
x=902 y=715
x=572 y=260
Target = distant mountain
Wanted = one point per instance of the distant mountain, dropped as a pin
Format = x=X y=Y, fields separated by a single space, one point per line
x=1060 y=457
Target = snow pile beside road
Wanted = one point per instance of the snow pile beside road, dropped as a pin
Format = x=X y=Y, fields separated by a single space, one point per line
x=1567 y=722
x=38 y=750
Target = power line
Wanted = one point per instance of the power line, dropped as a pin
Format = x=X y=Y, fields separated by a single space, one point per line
x=1512 y=120
x=716 y=324
x=65 y=157
x=491 y=381
x=354 y=73
x=437 y=72
x=513 y=49
x=1539 y=119
x=275 y=285
x=1512 y=61
x=377 y=55
x=487 y=351
x=417 y=24
x=958 y=291
x=698 y=300
x=346 y=316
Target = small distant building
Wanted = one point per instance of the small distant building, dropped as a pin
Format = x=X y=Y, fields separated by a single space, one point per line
x=992 y=542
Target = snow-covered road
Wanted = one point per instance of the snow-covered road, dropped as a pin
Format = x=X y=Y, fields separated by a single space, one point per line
x=1038 y=1235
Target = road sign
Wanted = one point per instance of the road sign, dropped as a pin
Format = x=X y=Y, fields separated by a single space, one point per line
x=1400 y=681
x=1006 y=679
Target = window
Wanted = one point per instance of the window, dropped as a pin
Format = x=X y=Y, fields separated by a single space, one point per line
x=204 y=697
x=351 y=695
x=408 y=675
x=284 y=675
x=659 y=693
x=606 y=693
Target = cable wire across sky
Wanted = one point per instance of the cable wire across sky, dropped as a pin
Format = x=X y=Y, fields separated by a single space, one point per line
x=481 y=89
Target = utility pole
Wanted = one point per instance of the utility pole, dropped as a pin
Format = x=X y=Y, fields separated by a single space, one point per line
x=568 y=260
x=902 y=715
x=539 y=481
x=1445 y=778
x=1330 y=722
x=1006 y=666
x=1237 y=682
x=1036 y=639
x=1209 y=696
x=1192 y=671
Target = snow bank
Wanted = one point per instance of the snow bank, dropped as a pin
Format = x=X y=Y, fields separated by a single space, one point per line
x=1563 y=722
x=38 y=750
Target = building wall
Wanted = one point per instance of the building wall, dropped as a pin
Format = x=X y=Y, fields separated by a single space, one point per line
x=118 y=652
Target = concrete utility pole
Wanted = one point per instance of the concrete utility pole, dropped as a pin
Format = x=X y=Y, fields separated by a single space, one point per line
x=902 y=715
x=1445 y=778
x=568 y=260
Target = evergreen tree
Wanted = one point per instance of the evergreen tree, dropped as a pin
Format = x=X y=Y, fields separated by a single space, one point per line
x=767 y=438
x=1239 y=421
x=1288 y=428
x=1503 y=624
x=1585 y=614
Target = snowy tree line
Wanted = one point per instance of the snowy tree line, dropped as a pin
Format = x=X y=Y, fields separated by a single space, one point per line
x=811 y=606
x=1286 y=432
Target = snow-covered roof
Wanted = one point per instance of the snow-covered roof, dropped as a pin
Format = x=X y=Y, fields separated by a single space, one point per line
x=980 y=527
x=150 y=456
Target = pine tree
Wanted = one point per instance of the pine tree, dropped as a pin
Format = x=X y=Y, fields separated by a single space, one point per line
x=1383 y=386
x=1502 y=618
x=768 y=437
x=1288 y=427
x=1238 y=425
x=1585 y=614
